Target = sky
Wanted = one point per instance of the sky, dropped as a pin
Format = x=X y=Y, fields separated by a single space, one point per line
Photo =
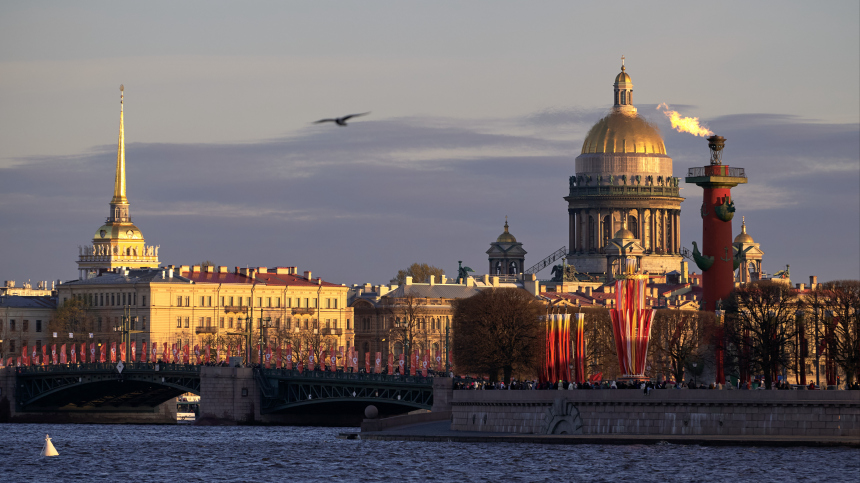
x=477 y=112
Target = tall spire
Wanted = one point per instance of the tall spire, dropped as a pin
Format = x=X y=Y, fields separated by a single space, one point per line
x=119 y=181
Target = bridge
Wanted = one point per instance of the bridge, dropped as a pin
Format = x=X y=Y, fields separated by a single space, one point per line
x=143 y=387
x=102 y=386
x=283 y=389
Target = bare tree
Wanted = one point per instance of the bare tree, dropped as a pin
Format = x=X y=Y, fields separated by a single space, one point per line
x=680 y=339
x=498 y=329
x=420 y=273
x=760 y=327
x=72 y=317
x=840 y=301
x=409 y=313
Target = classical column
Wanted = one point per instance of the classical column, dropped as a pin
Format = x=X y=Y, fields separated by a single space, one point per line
x=598 y=237
x=571 y=231
x=664 y=232
x=678 y=230
x=640 y=224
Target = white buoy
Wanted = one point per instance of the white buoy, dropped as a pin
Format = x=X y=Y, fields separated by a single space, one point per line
x=49 y=449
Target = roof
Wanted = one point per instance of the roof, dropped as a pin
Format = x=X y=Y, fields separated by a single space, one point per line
x=28 y=302
x=621 y=133
x=143 y=275
x=442 y=291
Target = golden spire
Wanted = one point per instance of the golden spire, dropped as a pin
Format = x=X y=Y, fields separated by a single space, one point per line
x=119 y=181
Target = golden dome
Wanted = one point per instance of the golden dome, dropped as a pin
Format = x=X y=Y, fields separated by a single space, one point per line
x=506 y=237
x=125 y=231
x=621 y=133
x=623 y=77
x=624 y=233
x=743 y=237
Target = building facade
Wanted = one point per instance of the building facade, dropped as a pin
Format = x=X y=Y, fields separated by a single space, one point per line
x=623 y=176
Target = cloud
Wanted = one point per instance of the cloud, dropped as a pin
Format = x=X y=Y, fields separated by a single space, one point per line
x=355 y=204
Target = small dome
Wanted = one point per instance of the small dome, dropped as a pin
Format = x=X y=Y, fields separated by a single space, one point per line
x=621 y=132
x=743 y=237
x=506 y=237
x=623 y=77
x=624 y=233
x=125 y=231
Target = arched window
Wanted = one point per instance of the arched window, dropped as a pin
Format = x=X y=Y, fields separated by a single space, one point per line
x=607 y=228
x=512 y=269
x=623 y=97
x=633 y=225
x=398 y=349
x=498 y=269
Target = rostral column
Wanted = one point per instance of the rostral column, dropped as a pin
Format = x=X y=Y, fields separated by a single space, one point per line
x=717 y=258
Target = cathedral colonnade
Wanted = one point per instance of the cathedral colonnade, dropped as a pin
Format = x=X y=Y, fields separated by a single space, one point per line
x=658 y=230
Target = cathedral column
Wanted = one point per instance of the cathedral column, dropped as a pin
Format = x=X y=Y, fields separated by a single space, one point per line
x=640 y=225
x=571 y=235
x=678 y=230
x=664 y=232
x=581 y=232
x=598 y=237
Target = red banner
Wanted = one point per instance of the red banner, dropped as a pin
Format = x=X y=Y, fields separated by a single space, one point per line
x=579 y=348
x=342 y=359
x=367 y=362
x=73 y=354
x=92 y=352
x=113 y=351
x=45 y=354
x=425 y=364
x=289 y=357
x=144 y=356
x=402 y=364
x=279 y=361
x=54 y=354
x=63 y=359
x=206 y=353
x=134 y=351
x=197 y=354
x=323 y=360
x=631 y=325
x=122 y=353
x=333 y=360
x=354 y=359
x=173 y=353
x=187 y=353
x=268 y=356
x=103 y=353
x=25 y=355
x=391 y=363
x=310 y=359
x=377 y=363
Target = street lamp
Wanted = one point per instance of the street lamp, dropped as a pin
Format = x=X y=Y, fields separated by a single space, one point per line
x=126 y=329
x=447 y=344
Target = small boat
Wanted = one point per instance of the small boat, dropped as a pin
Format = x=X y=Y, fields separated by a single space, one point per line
x=49 y=449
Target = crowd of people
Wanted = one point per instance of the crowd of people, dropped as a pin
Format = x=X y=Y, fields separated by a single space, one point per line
x=646 y=386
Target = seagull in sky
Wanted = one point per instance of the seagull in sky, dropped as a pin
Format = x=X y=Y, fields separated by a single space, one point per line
x=341 y=121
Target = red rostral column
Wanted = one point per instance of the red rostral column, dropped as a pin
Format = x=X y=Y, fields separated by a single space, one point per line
x=717 y=258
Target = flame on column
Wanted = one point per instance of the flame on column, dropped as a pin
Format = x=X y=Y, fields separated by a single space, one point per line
x=684 y=124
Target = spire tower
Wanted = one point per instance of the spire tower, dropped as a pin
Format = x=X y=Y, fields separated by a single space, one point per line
x=117 y=243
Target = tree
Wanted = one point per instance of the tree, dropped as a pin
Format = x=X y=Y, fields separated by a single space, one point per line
x=760 y=327
x=420 y=273
x=408 y=312
x=72 y=317
x=840 y=301
x=679 y=340
x=498 y=329
x=313 y=342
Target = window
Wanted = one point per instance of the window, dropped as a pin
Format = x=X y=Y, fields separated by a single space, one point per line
x=12 y=324
x=134 y=299
x=240 y=301
x=179 y=301
x=143 y=300
x=278 y=302
x=187 y=321
x=202 y=301
x=334 y=323
x=259 y=302
x=101 y=300
x=328 y=303
x=278 y=323
x=113 y=301
x=249 y=301
x=38 y=326
x=315 y=303
x=200 y=322
x=230 y=322
x=209 y=301
x=335 y=303
x=188 y=301
x=12 y=345
x=143 y=326
x=289 y=302
x=328 y=323
x=178 y=322
x=208 y=321
x=222 y=301
x=26 y=326
x=307 y=303
x=348 y=326
x=268 y=301
x=221 y=323
x=123 y=299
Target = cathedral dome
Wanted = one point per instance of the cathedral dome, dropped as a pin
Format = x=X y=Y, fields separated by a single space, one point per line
x=622 y=77
x=506 y=237
x=743 y=237
x=620 y=133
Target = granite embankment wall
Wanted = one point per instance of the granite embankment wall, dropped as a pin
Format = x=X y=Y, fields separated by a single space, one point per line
x=669 y=412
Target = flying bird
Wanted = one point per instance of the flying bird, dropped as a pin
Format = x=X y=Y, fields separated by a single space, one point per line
x=341 y=121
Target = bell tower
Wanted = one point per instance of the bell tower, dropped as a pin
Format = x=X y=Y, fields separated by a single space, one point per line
x=117 y=243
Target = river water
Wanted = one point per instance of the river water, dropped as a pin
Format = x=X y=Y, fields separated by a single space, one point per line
x=138 y=454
